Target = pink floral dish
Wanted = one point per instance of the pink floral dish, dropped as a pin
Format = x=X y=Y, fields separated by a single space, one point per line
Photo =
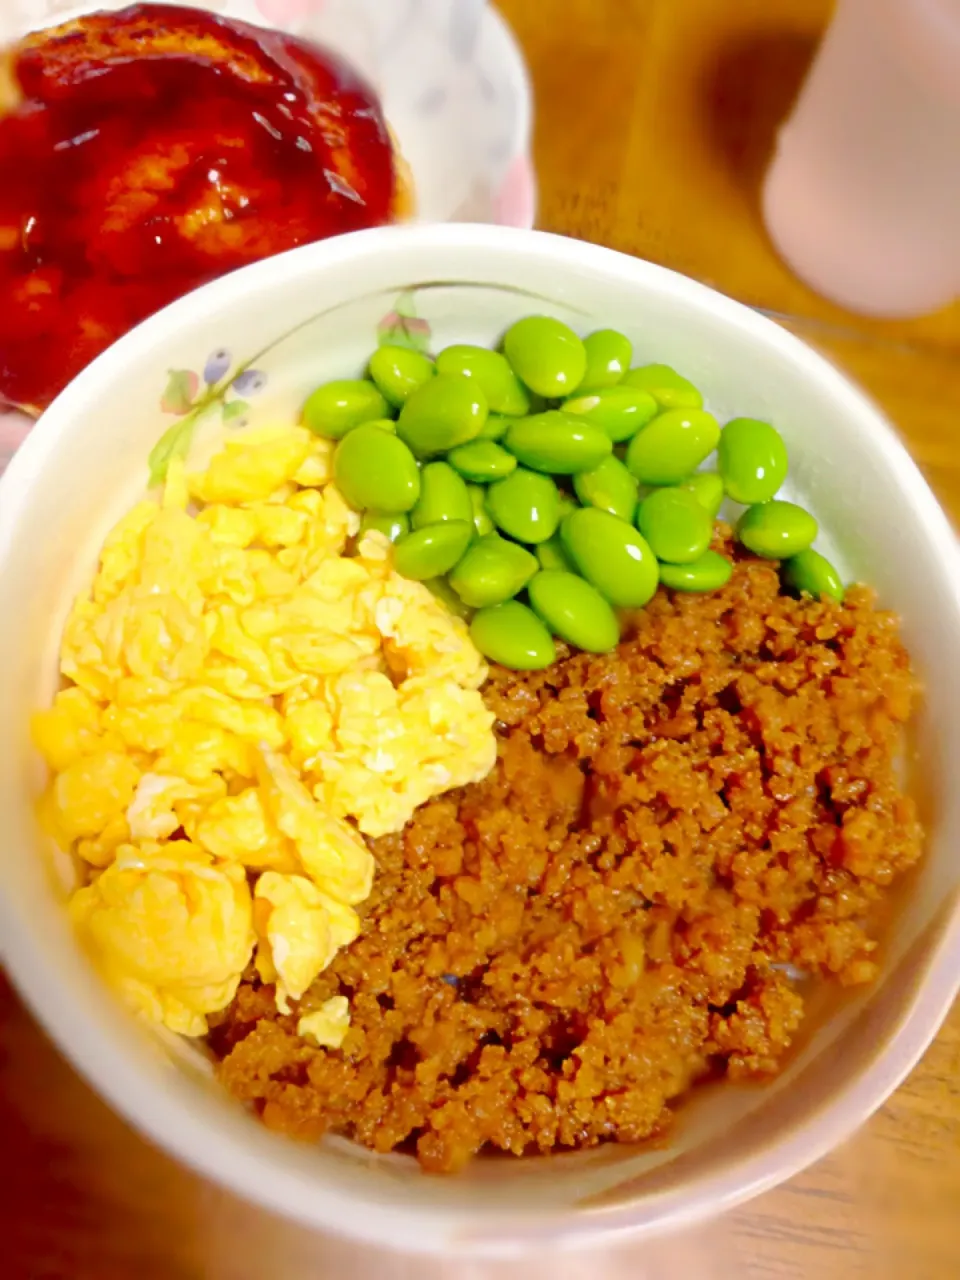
x=451 y=78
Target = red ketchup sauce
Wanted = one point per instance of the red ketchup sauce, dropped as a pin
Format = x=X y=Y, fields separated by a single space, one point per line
x=157 y=148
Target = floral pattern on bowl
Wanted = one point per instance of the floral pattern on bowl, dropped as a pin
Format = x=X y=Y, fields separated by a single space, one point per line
x=221 y=392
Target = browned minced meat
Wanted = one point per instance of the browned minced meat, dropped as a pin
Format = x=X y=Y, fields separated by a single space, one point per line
x=551 y=957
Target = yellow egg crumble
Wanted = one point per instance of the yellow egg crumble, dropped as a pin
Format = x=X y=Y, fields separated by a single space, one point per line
x=243 y=703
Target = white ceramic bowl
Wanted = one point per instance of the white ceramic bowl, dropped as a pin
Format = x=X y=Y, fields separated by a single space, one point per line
x=313 y=314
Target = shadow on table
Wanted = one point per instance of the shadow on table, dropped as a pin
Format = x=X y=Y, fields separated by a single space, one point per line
x=747 y=93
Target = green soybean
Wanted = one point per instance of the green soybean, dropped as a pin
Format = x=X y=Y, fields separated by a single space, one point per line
x=482 y=461
x=776 y=530
x=612 y=555
x=481 y=516
x=669 y=388
x=709 y=573
x=676 y=526
x=383 y=424
x=551 y=555
x=609 y=486
x=375 y=470
x=493 y=570
x=547 y=355
x=526 y=506
x=608 y=358
x=398 y=372
x=443 y=496
x=392 y=525
x=495 y=427
x=620 y=411
x=707 y=488
x=557 y=443
x=574 y=610
x=440 y=588
x=514 y=636
x=752 y=460
x=444 y=412
x=433 y=550
x=812 y=573
x=503 y=390
x=337 y=407
x=675 y=443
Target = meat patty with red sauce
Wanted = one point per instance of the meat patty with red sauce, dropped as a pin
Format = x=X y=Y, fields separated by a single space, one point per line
x=146 y=152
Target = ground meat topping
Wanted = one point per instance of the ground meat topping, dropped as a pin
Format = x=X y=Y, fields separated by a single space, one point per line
x=678 y=841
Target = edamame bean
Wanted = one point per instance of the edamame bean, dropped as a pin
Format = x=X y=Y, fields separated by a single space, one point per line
x=612 y=555
x=707 y=488
x=482 y=461
x=676 y=526
x=374 y=470
x=812 y=573
x=669 y=388
x=337 y=407
x=433 y=550
x=611 y=487
x=391 y=525
x=526 y=506
x=575 y=611
x=752 y=460
x=481 y=516
x=776 y=530
x=558 y=444
x=546 y=354
x=608 y=358
x=441 y=589
x=675 y=443
x=383 y=424
x=709 y=573
x=551 y=555
x=514 y=636
x=620 y=411
x=444 y=412
x=503 y=390
x=443 y=496
x=493 y=570
x=398 y=372
x=495 y=427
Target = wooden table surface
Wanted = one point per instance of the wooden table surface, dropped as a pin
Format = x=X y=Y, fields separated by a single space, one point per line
x=655 y=119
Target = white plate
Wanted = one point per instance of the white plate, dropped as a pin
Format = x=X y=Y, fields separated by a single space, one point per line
x=451 y=78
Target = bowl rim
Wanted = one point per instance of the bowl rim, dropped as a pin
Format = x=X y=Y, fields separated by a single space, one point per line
x=212 y=1148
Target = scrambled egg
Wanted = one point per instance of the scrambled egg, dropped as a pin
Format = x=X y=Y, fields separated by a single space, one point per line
x=244 y=703
x=172 y=930
x=327 y=1025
